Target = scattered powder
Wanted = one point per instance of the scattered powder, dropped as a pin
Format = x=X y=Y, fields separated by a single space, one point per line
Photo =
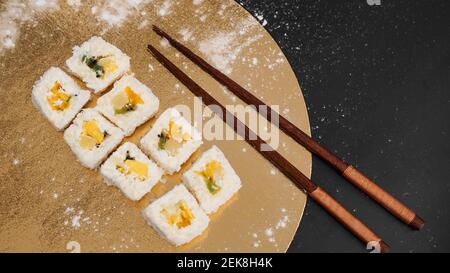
x=197 y=2
x=164 y=42
x=74 y=4
x=16 y=162
x=76 y=221
x=15 y=14
x=75 y=218
x=150 y=68
x=186 y=35
x=224 y=48
x=69 y=210
x=282 y=223
x=260 y=17
x=165 y=8
x=143 y=24
x=115 y=12
x=244 y=150
x=273 y=171
x=269 y=232
x=112 y=12
x=55 y=195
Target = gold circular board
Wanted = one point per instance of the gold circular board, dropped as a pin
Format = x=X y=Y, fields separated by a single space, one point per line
x=50 y=203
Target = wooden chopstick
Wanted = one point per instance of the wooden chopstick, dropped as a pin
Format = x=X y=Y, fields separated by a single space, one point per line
x=333 y=207
x=352 y=174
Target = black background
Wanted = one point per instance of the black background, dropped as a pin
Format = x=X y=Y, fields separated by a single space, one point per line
x=376 y=80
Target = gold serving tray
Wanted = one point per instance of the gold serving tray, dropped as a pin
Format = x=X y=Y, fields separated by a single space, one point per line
x=50 y=203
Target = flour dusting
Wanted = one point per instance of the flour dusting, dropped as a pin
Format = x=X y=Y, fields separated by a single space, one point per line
x=15 y=14
x=223 y=48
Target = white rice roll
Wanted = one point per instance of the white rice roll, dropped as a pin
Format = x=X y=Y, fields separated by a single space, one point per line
x=98 y=63
x=181 y=143
x=93 y=154
x=129 y=169
x=177 y=216
x=212 y=179
x=58 y=97
x=129 y=104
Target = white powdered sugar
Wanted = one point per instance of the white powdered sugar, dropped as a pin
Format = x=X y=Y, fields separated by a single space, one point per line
x=17 y=13
x=222 y=49
x=115 y=12
x=164 y=9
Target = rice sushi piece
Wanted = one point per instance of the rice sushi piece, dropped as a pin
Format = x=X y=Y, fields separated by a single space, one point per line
x=129 y=104
x=58 y=97
x=98 y=63
x=177 y=216
x=91 y=137
x=129 y=169
x=212 y=179
x=171 y=140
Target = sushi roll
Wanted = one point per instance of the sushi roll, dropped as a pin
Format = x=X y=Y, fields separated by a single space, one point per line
x=131 y=171
x=91 y=137
x=98 y=63
x=171 y=140
x=177 y=216
x=212 y=180
x=58 y=97
x=129 y=104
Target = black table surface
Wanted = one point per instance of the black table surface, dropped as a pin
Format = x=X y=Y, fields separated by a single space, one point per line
x=376 y=79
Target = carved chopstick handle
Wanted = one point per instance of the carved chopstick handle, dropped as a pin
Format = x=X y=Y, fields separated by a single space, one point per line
x=352 y=223
x=384 y=198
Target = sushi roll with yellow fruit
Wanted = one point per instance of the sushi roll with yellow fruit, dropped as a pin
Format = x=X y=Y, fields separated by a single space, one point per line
x=129 y=104
x=58 y=97
x=129 y=169
x=92 y=138
x=98 y=63
x=177 y=216
x=212 y=179
x=171 y=140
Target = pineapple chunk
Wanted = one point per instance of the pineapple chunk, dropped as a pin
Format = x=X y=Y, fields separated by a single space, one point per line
x=87 y=142
x=108 y=64
x=90 y=128
x=137 y=167
x=59 y=100
x=119 y=100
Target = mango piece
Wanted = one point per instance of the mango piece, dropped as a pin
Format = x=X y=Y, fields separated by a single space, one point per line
x=90 y=128
x=185 y=215
x=87 y=142
x=182 y=216
x=133 y=98
x=213 y=171
x=137 y=167
x=175 y=132
x=59 y=100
